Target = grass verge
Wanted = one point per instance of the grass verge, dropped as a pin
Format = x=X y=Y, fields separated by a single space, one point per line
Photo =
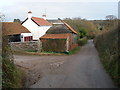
x=74 y=51
x=38 y=53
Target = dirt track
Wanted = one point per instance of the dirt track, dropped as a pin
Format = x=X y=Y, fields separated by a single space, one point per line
x=82 y=70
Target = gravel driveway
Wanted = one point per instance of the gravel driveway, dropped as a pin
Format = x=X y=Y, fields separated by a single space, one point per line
x=82 y=70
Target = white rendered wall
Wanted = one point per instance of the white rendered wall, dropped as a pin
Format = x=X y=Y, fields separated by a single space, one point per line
x=24 y=35
x=37 y=31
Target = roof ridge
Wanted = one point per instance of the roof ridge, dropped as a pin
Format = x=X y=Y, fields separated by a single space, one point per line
x=55 y=36
x=37 y=17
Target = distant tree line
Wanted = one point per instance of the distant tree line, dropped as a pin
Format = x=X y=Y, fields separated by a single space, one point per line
x=84 y=27
x=17 y=20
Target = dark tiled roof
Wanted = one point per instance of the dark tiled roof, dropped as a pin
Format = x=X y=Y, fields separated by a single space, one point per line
x=12 y=28
x=61 y=27
x=58 y=29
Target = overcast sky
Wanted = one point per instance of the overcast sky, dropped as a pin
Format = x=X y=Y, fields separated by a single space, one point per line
x=94 y=9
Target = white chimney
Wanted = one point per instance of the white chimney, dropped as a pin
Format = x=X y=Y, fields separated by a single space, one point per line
x=44 y=16
x=29 y=14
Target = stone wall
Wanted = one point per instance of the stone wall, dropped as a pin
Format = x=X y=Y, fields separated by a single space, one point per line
x=26 y=46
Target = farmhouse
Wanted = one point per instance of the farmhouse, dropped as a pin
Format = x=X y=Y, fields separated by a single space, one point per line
x=59 y=38
x=37 y=26
x=16 y=32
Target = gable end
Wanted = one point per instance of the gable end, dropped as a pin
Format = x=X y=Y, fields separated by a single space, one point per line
x=35 y=22
x=24 y=20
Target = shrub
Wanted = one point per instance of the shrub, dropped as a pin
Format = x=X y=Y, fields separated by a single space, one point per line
x=82 y=33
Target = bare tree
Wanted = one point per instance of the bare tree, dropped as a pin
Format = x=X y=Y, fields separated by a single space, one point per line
x=111 y=17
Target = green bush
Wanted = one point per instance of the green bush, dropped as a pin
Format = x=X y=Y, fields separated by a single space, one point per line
x=82 y=33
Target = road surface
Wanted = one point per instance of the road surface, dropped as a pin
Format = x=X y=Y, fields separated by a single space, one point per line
x=82 y=70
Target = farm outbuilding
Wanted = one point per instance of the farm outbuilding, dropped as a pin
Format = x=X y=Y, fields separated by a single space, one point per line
x=56 y=42
x=16 y=32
